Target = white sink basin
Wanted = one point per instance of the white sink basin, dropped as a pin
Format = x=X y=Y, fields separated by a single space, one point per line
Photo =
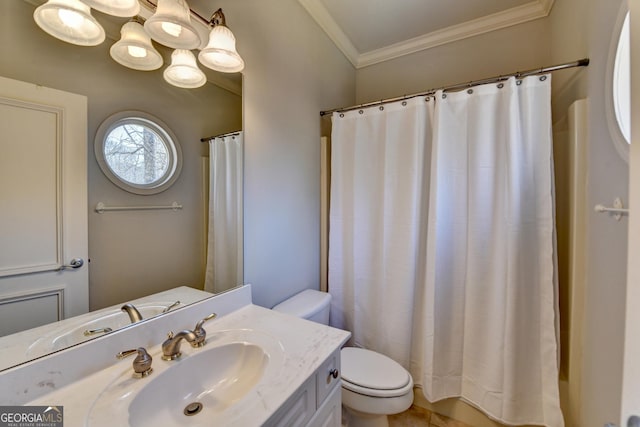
x=208 y=386
x=211 y=381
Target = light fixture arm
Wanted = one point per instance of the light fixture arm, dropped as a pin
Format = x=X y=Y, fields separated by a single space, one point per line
x=137 y=19
x=194 y=14
x=218 y=18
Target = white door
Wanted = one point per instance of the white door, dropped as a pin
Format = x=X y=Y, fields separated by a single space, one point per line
x=43 y=205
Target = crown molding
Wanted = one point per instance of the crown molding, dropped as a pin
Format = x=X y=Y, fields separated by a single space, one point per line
x=546 y=5
x=530 y=11
x=319 y=13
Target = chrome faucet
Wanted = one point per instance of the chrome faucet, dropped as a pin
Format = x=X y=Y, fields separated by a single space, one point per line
x=133 y=312
x=171 y=346
x=197 y=338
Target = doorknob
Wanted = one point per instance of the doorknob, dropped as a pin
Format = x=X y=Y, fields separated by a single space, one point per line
x=75 y=263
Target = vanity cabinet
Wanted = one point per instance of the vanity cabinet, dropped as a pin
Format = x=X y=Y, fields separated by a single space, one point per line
x=317 y=403
x=329 y=414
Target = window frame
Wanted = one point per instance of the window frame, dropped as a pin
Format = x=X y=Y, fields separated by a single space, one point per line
x=158 y=127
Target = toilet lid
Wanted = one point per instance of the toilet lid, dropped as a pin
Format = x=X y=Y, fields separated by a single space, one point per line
x=368 y=369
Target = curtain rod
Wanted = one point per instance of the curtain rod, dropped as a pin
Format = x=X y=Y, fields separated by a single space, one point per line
x=518 y=74
x=222 y=135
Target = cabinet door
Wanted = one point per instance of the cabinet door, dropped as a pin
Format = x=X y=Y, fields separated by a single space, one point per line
x=328 y=376
x=330 y=413
x=299 y=409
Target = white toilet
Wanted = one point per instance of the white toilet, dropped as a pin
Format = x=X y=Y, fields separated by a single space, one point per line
x=373 y=385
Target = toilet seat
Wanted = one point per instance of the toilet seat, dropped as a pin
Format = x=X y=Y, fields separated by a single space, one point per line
x=371 y=392
x=373 y=374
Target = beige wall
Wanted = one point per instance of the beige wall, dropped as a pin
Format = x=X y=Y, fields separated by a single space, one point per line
x=580 y=28
x=519 y=47
x=631 y=389
x=132 y=253
x=293 y=71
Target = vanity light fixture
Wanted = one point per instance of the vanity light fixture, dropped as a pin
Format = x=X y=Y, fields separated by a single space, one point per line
x=220 y=54
x=70 y=21
x=183 y=71
x=134 y=49
x=122 y=8
x=171 y=25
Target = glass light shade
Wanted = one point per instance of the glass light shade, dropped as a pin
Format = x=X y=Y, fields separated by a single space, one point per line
x=69 y=21
x=134 y=49
x=220 y=53
x=123 y=8
x=183 y=71
x=171 y=25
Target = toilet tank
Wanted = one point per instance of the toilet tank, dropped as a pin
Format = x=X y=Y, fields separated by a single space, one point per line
x=310 y=304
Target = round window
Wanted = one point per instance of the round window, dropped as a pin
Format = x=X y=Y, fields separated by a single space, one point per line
x=618 y=98
x=137 y=152
x=622 y=82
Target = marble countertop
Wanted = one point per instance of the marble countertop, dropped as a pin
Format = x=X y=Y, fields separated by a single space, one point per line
x=305 y=345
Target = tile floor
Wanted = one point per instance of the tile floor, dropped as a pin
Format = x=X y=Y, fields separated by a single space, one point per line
x=419 y=417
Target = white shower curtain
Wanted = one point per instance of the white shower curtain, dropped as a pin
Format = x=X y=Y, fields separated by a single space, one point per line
x=379 y=167
x=224 y=241
x=453 y=276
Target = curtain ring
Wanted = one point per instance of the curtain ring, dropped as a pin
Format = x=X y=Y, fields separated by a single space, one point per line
x=404 y=103
x=381 y=108
x=361 y=112
x=500 y=85
x=470 y=91
x=518 y=82
x=543 y=78
x=341 y=115
x=427 y=98
x=444 y=95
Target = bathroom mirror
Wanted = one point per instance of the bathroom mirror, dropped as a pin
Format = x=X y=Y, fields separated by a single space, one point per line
x=132 y=254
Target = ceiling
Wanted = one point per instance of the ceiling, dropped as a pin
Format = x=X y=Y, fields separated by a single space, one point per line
x=373 y=31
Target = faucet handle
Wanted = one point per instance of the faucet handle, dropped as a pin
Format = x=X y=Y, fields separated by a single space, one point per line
x=141 y=364
x=201 y=334
x=169 y=307
x=90 y=332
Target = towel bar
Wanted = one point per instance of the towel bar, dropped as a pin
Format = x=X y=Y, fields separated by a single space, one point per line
x=101 y=208
x=617 y=210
